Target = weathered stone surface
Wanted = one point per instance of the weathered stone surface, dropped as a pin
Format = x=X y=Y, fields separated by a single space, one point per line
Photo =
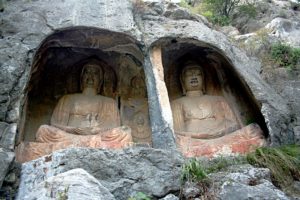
x=170 y=197
x=7 y=135
x=238 y=191
x=151 y=171
x=162 y=133
x=115 y=138
x=75 y=184
x=25 y=24
x=241 y=141
x=153 y=22
x=297 y=133
x=6 y=158
x=230 y=30
x=274 y=108
x=190 y=190
x=246 y=182
x=285 y=29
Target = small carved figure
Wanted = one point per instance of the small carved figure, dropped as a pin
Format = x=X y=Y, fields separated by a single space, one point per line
x=85 y=120
x=205 y=124
x=138 y=87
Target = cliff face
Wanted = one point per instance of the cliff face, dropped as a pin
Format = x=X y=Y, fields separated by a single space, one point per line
x=276 y=22
x=151 y=27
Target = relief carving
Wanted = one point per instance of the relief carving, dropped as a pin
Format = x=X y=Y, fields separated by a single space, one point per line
x=135 y=113
x=205 y=124
x=84 y=119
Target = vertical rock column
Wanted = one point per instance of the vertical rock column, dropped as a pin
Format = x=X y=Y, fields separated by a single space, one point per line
x=159 y=104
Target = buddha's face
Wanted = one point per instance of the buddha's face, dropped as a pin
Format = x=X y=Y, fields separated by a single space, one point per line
x=193 y=79
x=91 y=77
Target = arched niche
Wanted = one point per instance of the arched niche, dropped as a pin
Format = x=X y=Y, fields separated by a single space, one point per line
x=221 y=77
x=56 y=71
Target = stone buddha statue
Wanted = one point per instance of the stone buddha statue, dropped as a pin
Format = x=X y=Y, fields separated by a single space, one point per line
x=205 y=125
x=80 y=120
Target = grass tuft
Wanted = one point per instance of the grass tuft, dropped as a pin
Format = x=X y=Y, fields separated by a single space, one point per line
x=283 y=162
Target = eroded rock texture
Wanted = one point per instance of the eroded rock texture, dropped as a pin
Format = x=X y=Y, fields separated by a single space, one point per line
x=246 y=182
x=124 y=172
x=155 y=21
x=74 y=184
x=159 y=31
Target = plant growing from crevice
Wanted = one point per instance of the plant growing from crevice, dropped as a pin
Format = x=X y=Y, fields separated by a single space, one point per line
x=285 y=55
x=140 y=196
x=283 y=162
x=197 y=171
x=193 y=171
x=63 y=195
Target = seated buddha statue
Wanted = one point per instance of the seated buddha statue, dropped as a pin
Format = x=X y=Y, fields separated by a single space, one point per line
x=205 y=125
x=85 y=119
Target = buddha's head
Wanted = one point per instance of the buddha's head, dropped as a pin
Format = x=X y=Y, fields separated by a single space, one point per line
x=91 y=77
x=192 y=78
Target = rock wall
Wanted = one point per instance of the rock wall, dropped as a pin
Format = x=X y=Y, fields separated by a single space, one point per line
x=24 y=25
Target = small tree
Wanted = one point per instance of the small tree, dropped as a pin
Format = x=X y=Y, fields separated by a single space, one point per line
x=222 y=7
x=221 y=11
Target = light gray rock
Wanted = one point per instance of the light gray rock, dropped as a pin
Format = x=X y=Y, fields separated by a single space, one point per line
x=6 y=159
x=246 y=182
x=297 y=133
x=230 y=31
x=237 y=191
x=123 y=172
x=75 y=184
x=7 y=135
x=285 y=29
x=170 y=197
x=190 y=190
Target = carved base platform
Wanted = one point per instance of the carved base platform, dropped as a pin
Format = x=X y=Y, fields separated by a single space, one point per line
x=241 y=141
x=27 y=151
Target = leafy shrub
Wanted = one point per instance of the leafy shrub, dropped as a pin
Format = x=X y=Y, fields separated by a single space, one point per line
x=248 y=9
x=220 y=20
x=184 y=4
x=220 y=12
x=283 y=162
x=285 y=55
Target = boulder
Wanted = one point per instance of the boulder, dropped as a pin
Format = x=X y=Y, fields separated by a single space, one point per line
x=75 y=184
x=5 y=160
x=123 y=172
x=286 y=29
x=170 y=197
x=246 y=182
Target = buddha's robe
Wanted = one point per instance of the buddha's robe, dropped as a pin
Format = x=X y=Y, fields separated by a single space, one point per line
x=78 y=121
x=205 y=125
